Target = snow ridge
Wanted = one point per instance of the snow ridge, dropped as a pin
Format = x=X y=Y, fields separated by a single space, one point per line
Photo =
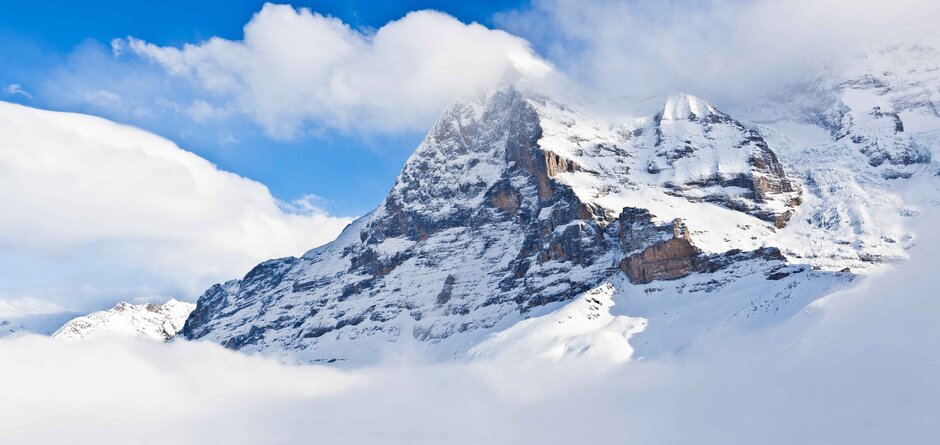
x=139 y=320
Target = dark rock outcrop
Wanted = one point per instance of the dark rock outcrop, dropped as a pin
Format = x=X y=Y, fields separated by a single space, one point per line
x=667 y=260
x=677 y=257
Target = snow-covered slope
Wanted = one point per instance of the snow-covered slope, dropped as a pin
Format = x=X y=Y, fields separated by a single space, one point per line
x=524 y=226
x=140 y=320
x=619 y=320
x=587 y=326
x=859 y=133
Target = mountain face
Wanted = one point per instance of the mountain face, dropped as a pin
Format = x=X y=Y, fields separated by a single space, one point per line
x=522 y=225
x=138 y=320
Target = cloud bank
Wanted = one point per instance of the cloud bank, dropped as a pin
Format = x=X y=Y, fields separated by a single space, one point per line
x=295 y=69
x=859 y=367
x=297 y=73
x=94 y=211
x=725 y=51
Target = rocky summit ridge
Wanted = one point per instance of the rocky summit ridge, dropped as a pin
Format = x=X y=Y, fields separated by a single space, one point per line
x=677 y=226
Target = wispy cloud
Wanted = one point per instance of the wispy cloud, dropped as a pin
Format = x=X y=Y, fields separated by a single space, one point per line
x=25 y=306
x=15 y=89
x=721 y=50
x=103 y=99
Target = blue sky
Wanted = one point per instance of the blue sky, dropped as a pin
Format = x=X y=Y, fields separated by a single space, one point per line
x=45 y=46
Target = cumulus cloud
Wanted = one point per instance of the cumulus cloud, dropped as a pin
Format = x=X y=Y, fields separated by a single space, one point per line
x=295 y=68
x=722 y=50
x=94 y=211
x=859 y=367
x=296 y=72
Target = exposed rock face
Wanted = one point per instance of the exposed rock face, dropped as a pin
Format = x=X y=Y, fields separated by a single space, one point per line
x=550 y=165
x=680 y=230
x=668 y=260
x=447 y=290
x=637 y=230
x=675 y=257
x=504 y=197
x=656 y=252
x=678 y=258
x=768 y=178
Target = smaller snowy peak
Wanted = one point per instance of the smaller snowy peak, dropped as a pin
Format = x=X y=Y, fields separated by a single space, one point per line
x=157 y=322
x=681 y=106
x=704 y=154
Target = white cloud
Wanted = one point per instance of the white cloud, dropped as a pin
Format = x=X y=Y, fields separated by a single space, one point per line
x=858 y=368
x=94 y=211
x=14 y=88
x=722 y=50
x=27 y=306
x=103 y=99
x=295 y=68
x=202 y=111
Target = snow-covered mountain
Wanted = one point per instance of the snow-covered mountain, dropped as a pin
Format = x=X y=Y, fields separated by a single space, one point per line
x=523 y=226
x=8 y=327
x=41 y=322
x=140 y=320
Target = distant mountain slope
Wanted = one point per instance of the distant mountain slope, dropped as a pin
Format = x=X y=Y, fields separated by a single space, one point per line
x=138 y=320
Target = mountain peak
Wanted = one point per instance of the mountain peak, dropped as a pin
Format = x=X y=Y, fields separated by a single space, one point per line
x=682 y=106
x=158 y=322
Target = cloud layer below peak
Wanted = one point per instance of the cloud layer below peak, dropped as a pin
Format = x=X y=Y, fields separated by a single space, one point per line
x=858 y=367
